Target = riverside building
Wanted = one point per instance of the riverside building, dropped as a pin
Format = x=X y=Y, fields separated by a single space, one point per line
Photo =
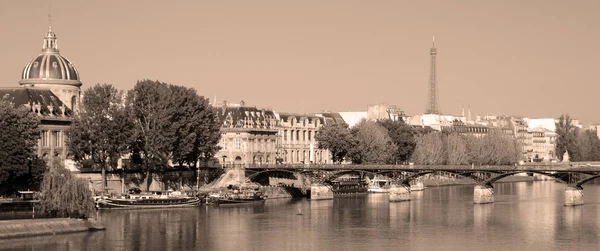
x=50 y=88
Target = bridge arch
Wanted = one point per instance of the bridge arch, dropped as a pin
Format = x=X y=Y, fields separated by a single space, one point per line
x=256 y=174
x=578 y=184
x=504 y=175
x=332 y=176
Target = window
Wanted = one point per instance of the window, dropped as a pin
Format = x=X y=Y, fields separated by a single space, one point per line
x=238 y=144
x=285 y=134
x=224 y=143
x=309 y=135
x=45 y=139
x=57 y=139
x=298 y=135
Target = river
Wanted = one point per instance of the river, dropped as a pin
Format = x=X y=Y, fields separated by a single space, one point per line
x=525 y=216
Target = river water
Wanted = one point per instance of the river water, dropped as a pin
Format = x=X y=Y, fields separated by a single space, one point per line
x=525 y=216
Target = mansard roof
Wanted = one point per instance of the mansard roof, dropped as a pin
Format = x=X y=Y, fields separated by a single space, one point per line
x=42 y=102
x=246 y=117
x=285 y=116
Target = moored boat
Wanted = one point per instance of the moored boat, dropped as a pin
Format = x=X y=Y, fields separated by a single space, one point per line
x=149 y=200
x=236 y=196
x=378 y=186
x=417 y=186
x=349 y=186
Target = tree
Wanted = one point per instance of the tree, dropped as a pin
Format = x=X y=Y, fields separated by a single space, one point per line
x=404 y=137
x=336 y=138
x=456 y=149
x=372 y=144
x=196 y=126
x=587 y=146
x=102 y=130
x=64 y=195
x=20 y=167
x=171 y=123
x=152 y=112
x=498 y=148
x=565 y=139
x=429 y=150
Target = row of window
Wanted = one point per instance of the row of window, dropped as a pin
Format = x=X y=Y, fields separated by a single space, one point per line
x=264 y=145
x=47 y=137
x=298 y=135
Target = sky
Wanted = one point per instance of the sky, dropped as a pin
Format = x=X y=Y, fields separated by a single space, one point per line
x=533 y=58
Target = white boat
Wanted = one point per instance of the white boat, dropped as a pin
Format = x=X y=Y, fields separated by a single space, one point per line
x=378 y=185
x=417 y=186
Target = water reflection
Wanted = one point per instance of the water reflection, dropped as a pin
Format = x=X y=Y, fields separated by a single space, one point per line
x=525 y=216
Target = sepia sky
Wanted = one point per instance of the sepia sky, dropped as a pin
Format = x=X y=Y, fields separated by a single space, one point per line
x=535 y=58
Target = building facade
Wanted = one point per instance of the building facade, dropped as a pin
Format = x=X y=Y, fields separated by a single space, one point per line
x=248 y=135
x=50 y=88
x=297 y=136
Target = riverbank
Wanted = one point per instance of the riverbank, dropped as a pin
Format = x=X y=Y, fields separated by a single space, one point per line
x=36 y=227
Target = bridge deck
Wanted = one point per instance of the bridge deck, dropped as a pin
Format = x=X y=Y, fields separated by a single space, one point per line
x=549 y=167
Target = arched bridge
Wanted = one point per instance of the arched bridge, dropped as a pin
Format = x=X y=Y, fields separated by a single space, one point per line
x=574 y=174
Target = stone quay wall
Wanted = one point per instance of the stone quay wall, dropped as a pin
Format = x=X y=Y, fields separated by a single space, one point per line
x=36 y=227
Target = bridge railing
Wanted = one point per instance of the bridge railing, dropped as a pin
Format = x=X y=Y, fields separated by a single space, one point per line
x=573 y=166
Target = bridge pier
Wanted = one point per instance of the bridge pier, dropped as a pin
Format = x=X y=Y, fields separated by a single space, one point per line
x=399 y=193
x=320 y=192
x=483 y=194
x=573 y=196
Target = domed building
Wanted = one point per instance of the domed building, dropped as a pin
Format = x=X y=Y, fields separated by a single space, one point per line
x=54 y=72
x=51 y=89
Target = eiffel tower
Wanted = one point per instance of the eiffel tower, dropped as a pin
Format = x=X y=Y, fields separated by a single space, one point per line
x=433 y=106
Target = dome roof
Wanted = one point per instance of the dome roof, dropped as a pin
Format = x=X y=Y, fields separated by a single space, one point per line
x=50 y=65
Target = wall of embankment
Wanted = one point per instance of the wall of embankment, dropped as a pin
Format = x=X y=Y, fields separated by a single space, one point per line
x=37 y=227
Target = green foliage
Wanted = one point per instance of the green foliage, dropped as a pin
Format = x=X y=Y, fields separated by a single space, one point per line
x=102 y=131
x=170 y=123
x=429 y=150
x=456 y=149
x=404 y=137
x=372 y=144
x=586 y=146
x=19 y=166
x=337 y=139
x=64 y=195
x=495 y=148
x=565 y=136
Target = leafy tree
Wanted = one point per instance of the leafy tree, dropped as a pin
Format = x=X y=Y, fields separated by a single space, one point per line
x=429 y=150
x=565 y=139
x=337 y=139
x=372 y=144
x=196 y=126
x=587 y=146
x=102 y=131
x=404 y=137
x=498 y=148
x=456 y=149
x=64 y=195
x=152 y=112
x=171 y=123
x=20 y=167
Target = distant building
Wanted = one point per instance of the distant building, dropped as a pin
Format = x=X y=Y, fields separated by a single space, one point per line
x=384 y=112
x=50 y=89
x=248 y=135
x=543 y=143
x=353 y=118
x=297 y=136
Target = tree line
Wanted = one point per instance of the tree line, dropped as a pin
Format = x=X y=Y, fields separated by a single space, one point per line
x=157 y=125
x=582 y=145
x=395 y=142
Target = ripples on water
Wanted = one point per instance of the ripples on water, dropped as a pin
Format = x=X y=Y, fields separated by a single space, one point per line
x=524 y=216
